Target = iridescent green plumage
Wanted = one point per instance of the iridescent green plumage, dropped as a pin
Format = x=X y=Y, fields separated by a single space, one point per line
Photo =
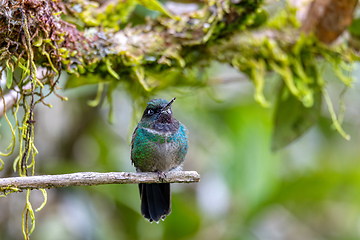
x=159 y=144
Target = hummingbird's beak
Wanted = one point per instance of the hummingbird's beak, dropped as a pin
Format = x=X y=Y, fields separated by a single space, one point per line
x=168 y=105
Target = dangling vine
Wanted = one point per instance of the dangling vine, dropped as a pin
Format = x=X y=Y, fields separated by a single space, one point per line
x=30 y=31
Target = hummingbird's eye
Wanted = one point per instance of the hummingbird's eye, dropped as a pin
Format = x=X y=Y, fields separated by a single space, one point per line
x=150 y=112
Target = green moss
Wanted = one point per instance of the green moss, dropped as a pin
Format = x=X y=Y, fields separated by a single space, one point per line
x=284 y=19
x=295 y=62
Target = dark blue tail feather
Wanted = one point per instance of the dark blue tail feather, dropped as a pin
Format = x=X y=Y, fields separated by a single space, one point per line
x=155 y=200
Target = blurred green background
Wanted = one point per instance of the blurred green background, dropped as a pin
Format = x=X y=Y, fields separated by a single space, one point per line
x=309 y=190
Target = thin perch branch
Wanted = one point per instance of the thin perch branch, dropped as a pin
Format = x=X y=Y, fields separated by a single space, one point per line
x=95 y=178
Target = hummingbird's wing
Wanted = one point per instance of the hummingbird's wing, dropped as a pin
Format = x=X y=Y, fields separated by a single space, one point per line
x=132 y=143
x=133 y=136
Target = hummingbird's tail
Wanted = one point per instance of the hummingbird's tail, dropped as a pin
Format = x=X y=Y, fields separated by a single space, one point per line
x=155 y=200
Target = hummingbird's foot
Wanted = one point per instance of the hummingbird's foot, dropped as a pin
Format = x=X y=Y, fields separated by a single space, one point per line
x=161 y=175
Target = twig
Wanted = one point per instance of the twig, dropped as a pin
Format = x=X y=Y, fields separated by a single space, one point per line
x=95 y=178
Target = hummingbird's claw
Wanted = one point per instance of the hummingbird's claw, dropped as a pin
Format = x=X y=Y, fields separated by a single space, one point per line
x=161 y=175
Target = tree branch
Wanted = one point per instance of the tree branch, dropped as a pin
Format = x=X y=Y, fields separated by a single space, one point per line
x=327 y=19
x=95 y=178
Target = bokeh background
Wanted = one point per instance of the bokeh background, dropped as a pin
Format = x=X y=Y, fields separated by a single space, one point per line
x=309 y=190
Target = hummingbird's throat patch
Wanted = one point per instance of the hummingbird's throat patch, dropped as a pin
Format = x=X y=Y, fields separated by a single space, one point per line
x=166 y=117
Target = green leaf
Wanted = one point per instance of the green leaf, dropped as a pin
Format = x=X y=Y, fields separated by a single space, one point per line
x=354 y=28
x=292 y=119
x=9 y=77
x=156 y=6
x=260 y=18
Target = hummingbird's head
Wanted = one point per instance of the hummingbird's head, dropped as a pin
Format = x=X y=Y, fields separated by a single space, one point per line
x=158 y=110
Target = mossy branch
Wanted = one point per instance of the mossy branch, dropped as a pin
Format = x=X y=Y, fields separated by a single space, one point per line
x=94 y=178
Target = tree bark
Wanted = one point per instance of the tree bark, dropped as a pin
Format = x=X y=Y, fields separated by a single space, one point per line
x=328 y=19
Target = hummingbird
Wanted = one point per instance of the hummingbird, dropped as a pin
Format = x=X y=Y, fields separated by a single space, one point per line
x=159 y=144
